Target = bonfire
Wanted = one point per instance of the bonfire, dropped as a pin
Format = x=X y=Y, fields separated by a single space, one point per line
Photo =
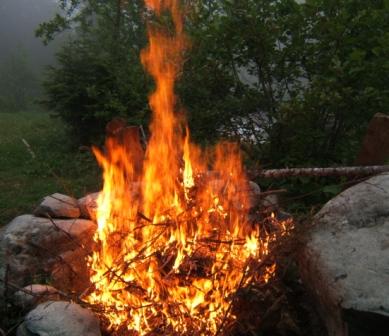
x=175 y=240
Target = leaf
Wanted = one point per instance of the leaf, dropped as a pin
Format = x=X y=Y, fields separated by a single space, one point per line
x=332 y=189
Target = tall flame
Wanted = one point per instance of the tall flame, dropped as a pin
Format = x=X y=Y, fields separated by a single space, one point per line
x=175 y=243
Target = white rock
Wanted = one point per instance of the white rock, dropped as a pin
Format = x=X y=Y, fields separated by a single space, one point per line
x=59 y=319
x=58 y=206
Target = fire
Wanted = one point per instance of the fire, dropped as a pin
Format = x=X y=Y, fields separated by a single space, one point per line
x=175 y=242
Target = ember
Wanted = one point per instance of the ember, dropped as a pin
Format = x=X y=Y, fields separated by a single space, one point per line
x=175 y=240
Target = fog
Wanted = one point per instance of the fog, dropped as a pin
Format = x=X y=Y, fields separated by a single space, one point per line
x=18 y=21
x=23 y=57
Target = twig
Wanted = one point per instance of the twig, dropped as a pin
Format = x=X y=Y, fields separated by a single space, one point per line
x=143 y=136
x=6 y=275
x=67 y=234
x=220 y=328
x=29 y=149
x=10 y=331
x=58 y=257
x=272 y=192
x=40 y=295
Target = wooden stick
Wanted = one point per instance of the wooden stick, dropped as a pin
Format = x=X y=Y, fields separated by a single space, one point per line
x=329 y=171
x=29 y=149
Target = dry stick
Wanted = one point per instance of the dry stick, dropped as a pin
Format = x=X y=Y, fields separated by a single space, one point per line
x=10 y=331
x=272 y=192
x=143 y=136
x=33 y=155
x=36 y=295
x=56 y=256
x=67 y=234
x=334 y=171
x=221 y=326
x=29 y=149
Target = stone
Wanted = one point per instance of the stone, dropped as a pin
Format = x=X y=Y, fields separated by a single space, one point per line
x=33 y=245
x=59 y=319
x=88 y=205
x=344 y=262
x=71 y=273
x=270 y=202
x=2 y=272
x=58 y=206
x=32 y=295
x=254 y=194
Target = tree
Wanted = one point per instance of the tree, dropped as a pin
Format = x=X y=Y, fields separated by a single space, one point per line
x=99 y=74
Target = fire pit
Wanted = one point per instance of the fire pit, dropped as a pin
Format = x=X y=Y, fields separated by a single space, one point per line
x=178 y=242
x=173 y=254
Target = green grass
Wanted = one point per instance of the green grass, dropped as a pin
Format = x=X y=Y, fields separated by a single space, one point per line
x=24 y=181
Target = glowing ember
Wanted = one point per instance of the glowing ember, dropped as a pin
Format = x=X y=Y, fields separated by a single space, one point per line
x=175 y=243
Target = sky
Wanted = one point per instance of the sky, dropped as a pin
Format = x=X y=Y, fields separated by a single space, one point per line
x=18 y=21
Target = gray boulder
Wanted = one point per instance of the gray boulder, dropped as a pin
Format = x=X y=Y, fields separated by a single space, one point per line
x=34 y=245
x=59 y=319
x=58 y=206
x=345 y=261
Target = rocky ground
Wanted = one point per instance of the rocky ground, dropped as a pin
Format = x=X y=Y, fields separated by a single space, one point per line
x=340 y=270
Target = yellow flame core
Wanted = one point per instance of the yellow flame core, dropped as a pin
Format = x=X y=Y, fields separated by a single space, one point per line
x=174 y=241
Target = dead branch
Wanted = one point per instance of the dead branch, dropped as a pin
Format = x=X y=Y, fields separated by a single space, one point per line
x=272 y=192
x=329 y=171
x=59 y=258
x=36 y=295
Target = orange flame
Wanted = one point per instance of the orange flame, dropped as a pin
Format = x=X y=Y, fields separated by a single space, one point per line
x=175 y=243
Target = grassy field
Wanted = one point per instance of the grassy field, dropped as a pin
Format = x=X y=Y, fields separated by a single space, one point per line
x=24 y=180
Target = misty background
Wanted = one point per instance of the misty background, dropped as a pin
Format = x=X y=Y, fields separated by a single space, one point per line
x=23 y=57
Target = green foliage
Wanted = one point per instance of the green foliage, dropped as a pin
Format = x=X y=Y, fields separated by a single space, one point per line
x=344 y=61
x=299 y=80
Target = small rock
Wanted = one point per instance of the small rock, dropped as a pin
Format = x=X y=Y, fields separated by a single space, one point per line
x=254 y=194
x=71 y=273
x=270 y=202
x=61 y=319
x=38 y=294
x=88 y=205
x=58 y=206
